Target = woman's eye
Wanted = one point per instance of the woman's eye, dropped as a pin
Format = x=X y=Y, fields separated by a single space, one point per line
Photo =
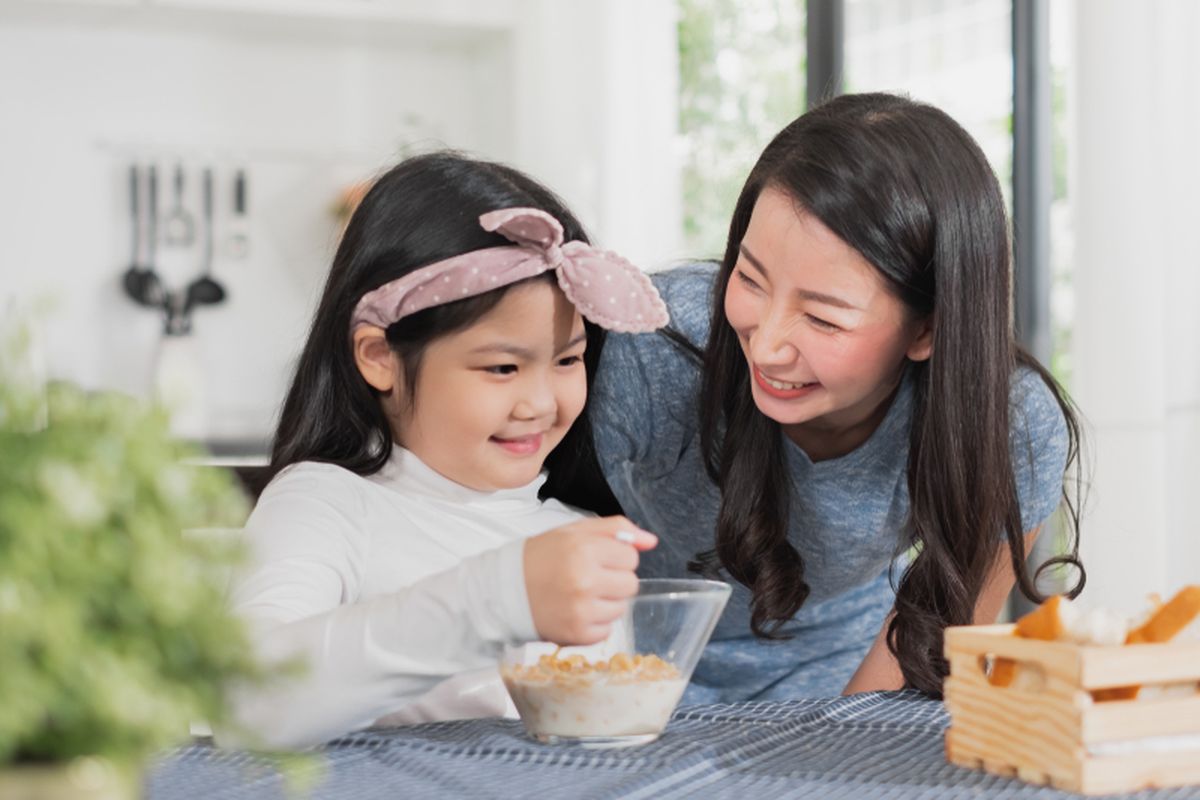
x=822 y=324
x=501 y=369
x=747 y=280
x=570 y=361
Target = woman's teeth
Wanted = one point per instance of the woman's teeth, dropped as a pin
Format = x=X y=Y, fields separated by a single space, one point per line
x=782 y=386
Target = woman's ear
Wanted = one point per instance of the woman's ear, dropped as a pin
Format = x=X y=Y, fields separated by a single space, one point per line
x=921 y=347
x=376 y=361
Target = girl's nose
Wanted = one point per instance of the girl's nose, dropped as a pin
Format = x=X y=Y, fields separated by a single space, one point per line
x=536 y=401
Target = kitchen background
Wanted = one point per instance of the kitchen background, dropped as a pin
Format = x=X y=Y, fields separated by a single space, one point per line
x=645 y=115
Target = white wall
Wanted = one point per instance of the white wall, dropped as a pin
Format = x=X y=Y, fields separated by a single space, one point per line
x=580 y=94
x=1137 y=281
x=597 y=108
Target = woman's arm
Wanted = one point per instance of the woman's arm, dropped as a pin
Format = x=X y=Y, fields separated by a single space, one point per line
x=879 y=670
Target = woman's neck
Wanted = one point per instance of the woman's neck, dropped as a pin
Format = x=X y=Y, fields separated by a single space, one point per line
x=834 y=436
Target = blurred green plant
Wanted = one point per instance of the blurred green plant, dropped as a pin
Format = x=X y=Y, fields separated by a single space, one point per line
x=114 y=629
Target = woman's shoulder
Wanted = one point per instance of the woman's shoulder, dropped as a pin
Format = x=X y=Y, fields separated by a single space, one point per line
x=688 y=292
x=1039 y=445
x=643 y=399
x=1033 y=405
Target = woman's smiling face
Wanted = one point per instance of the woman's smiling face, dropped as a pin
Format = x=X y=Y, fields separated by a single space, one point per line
x=824 y=338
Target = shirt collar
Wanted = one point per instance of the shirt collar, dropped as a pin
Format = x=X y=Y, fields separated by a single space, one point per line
x=405 y=472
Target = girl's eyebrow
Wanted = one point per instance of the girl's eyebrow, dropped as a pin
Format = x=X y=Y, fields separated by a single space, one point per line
x=523 y=353
x=504 y=348
x=818 y=297
x=580 y=338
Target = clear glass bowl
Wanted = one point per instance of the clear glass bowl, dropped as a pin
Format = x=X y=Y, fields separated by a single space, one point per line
x=623 y=690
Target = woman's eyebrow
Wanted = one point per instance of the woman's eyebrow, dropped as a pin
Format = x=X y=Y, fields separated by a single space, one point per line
x=807 y=294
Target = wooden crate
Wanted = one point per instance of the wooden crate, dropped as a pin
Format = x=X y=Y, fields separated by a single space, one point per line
x=1047 y=729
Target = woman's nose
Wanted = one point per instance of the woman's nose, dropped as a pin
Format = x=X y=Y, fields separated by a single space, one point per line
x=770 y=342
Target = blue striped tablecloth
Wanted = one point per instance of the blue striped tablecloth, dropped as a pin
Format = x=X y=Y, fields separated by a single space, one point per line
x=880 y=745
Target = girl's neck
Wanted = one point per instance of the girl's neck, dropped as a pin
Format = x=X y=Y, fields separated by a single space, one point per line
x=829 y=438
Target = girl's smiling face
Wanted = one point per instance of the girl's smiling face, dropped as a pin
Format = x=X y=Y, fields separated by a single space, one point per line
x=824 y=338
x=493 y=399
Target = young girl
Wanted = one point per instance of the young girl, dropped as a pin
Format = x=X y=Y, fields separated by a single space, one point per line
x=404 y=538
x=861 y=444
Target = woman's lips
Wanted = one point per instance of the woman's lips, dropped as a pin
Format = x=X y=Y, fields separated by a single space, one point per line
x=783 y=390
x=521 y=445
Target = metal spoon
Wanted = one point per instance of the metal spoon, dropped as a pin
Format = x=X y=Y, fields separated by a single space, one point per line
x=179 y=226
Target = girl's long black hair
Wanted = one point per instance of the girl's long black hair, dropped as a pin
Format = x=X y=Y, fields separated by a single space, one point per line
x=423 y=210
x=908 y=188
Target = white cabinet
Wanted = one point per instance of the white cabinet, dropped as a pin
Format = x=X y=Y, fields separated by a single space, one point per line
x=444 y=20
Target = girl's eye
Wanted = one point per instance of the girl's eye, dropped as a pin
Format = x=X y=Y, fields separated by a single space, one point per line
x=822 y=324
x=570 y=361
x=501 y=369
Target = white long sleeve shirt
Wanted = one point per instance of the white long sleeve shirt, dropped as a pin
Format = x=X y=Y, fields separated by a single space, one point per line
x=399 y=591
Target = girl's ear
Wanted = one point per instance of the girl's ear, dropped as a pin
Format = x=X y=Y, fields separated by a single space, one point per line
x=921 y=347
x=374 y=358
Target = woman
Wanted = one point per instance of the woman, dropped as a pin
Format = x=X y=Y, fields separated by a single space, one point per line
x=841 y=421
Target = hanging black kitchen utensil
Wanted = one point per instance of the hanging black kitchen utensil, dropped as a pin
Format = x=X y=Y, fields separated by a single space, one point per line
x=237 y=244
x=131 y=280
x=140 y=282
x=179 y=226
x=205 y=290
x=152 y=287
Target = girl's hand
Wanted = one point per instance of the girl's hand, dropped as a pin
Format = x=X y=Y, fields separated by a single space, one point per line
x=579 y=576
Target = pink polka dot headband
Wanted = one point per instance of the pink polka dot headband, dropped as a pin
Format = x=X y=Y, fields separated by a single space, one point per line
x=606 y=288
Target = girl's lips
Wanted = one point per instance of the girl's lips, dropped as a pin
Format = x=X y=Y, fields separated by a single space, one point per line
x=521 y=445
x=783 y=394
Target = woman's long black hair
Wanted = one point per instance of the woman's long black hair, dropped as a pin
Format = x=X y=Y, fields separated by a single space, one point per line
x=908 y=188
x=423 y=210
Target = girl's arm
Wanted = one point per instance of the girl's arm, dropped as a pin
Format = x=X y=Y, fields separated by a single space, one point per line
x=369 y=658
x=879 y=670
x=366 y=659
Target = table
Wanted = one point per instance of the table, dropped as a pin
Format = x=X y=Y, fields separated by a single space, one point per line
x=876 y=745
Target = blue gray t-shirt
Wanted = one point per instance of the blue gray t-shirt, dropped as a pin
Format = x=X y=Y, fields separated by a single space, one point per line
x=849 y=511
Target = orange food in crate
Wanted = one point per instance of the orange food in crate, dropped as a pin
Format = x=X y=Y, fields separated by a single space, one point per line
x=1057 y=620
x=1172 y=617
x=1164 y=625
x=1044 y=622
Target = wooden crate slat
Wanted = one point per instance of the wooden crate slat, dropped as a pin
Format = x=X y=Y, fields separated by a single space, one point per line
x=995 y=729
x=998 y=640
x=1134 y=719
x=1102 y=667
x=1140 y=771
x=1039 y=728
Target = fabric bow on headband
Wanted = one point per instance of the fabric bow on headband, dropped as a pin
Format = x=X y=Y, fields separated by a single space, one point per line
x=606 y=288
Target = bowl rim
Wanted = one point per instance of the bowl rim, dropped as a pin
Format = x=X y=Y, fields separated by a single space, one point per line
x=685 y=587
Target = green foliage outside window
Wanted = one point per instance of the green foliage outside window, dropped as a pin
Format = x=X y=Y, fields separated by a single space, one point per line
x=741 y=70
